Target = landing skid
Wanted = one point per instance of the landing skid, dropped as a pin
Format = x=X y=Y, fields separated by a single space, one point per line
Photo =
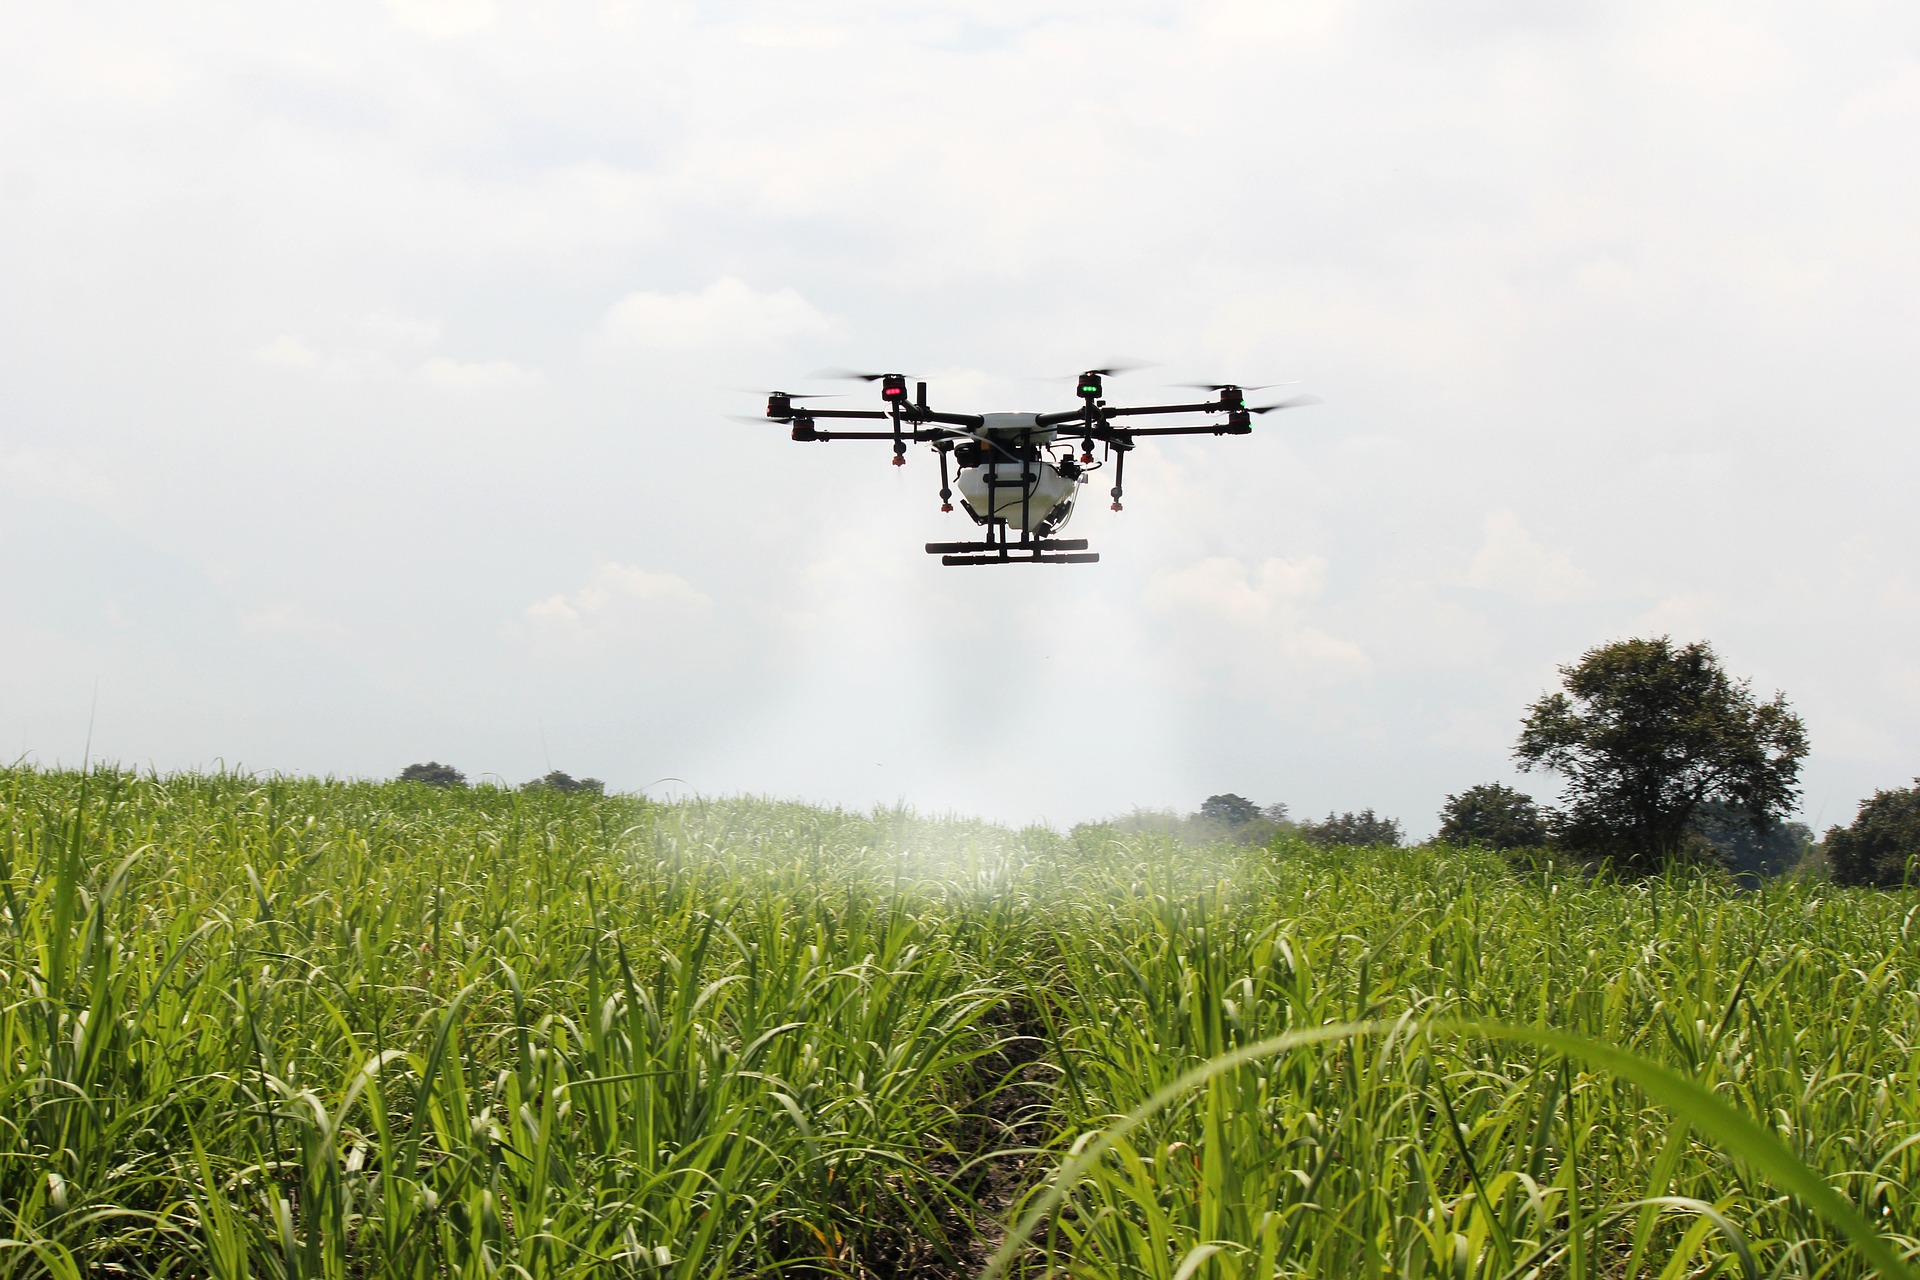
x=1042 y=551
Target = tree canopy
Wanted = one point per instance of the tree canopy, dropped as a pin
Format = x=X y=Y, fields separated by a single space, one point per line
x=1882 y=844
x=558 y=781
x=1494 y=816
x=434 y=774
x=1363 y=828
x=1229 y=810
x=1644 y=733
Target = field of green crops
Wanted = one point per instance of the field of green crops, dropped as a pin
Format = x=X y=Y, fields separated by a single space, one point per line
x=269 y=1027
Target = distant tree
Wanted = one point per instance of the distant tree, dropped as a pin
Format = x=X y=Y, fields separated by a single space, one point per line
x=1276 y=813
x=558 y=781
x=1229 y=811
x=434 y=774
x=1493 y=815
x=1882 y=845
x=1751 y=850
x=1363 y=828
x=1645 y=733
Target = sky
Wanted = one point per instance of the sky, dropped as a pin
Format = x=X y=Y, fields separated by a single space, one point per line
x=366 y=372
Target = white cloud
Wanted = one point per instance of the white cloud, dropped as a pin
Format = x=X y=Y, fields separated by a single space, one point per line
x=1684 y=615
x=624 y=607
x=70 y=476
x=289 y=618
x=769 y=36
x=727 y=312
x=1254 y=624
x=477 y=375
x=1511 y=560
x=287 y=352
x=443 y=18
x=402 y=331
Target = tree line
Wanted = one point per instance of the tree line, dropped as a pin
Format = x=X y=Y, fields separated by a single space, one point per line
x=1663 y=758
x=435 y=774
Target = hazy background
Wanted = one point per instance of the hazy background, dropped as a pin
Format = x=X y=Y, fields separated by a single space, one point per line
x=363 y=372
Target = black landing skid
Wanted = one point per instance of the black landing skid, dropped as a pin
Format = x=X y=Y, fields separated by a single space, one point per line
x=1025 y=551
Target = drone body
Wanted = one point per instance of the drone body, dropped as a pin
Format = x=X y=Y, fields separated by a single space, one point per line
x=1017 y=473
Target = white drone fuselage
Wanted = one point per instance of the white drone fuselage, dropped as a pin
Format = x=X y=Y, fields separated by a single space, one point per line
x=1024 y=494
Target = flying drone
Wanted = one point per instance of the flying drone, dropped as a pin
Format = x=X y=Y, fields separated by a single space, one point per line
x=1017 y=473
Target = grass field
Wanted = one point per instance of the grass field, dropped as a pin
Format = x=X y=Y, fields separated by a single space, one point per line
x=267 y=1027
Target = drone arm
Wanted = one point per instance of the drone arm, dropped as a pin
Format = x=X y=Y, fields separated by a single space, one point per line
x=921 y=414
x=843 y=413
x=917 y=437
x=1125 y=412
x=1096 y=417
x=1219 y=429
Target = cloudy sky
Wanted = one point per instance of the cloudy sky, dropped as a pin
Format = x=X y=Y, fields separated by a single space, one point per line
x=365 y=372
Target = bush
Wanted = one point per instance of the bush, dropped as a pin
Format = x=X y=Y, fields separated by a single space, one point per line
x=434 y=774
x=1882 y=846
x=1494 y=816
x=1363 y=828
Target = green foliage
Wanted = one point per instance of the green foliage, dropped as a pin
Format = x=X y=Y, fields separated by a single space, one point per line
x=1750 y=848
x=1363 y=829
x=290 y=1028
x=1882 y=844
x=1493 y=816
x=434 y=774
x=1644 y=733
x=558 y=781
x=1229 y=811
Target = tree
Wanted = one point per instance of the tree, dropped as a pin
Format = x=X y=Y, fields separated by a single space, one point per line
x=1229 y=811
x=1645 y=733
x=1882 y=845
x=1362 y=828
x=558 y=781
x=1749 y=849
x=1276 y=813
x=434 y=774
x=1493 y=815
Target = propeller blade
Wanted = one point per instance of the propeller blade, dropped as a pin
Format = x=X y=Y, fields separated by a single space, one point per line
x=1117 y=367
x=1112 y=369
x=1224 y=386
x=853 y=375
x=754 y=391
x=1294 y=403
x=741 y=417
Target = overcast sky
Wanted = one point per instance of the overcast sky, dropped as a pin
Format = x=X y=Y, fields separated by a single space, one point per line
x=365 y=372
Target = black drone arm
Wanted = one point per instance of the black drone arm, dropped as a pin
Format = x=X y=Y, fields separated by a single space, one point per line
x=1215 y=429
x=1213 y=406
x=920 y=413
x=831 y=413
x=1097 y=416
x=803 y=429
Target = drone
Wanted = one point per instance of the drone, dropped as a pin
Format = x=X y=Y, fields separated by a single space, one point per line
x=1017 y=473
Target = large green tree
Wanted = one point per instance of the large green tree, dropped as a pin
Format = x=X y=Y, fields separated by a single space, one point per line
x=1644 y=732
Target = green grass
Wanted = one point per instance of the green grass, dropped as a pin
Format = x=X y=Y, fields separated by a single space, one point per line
x=270 y=1027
